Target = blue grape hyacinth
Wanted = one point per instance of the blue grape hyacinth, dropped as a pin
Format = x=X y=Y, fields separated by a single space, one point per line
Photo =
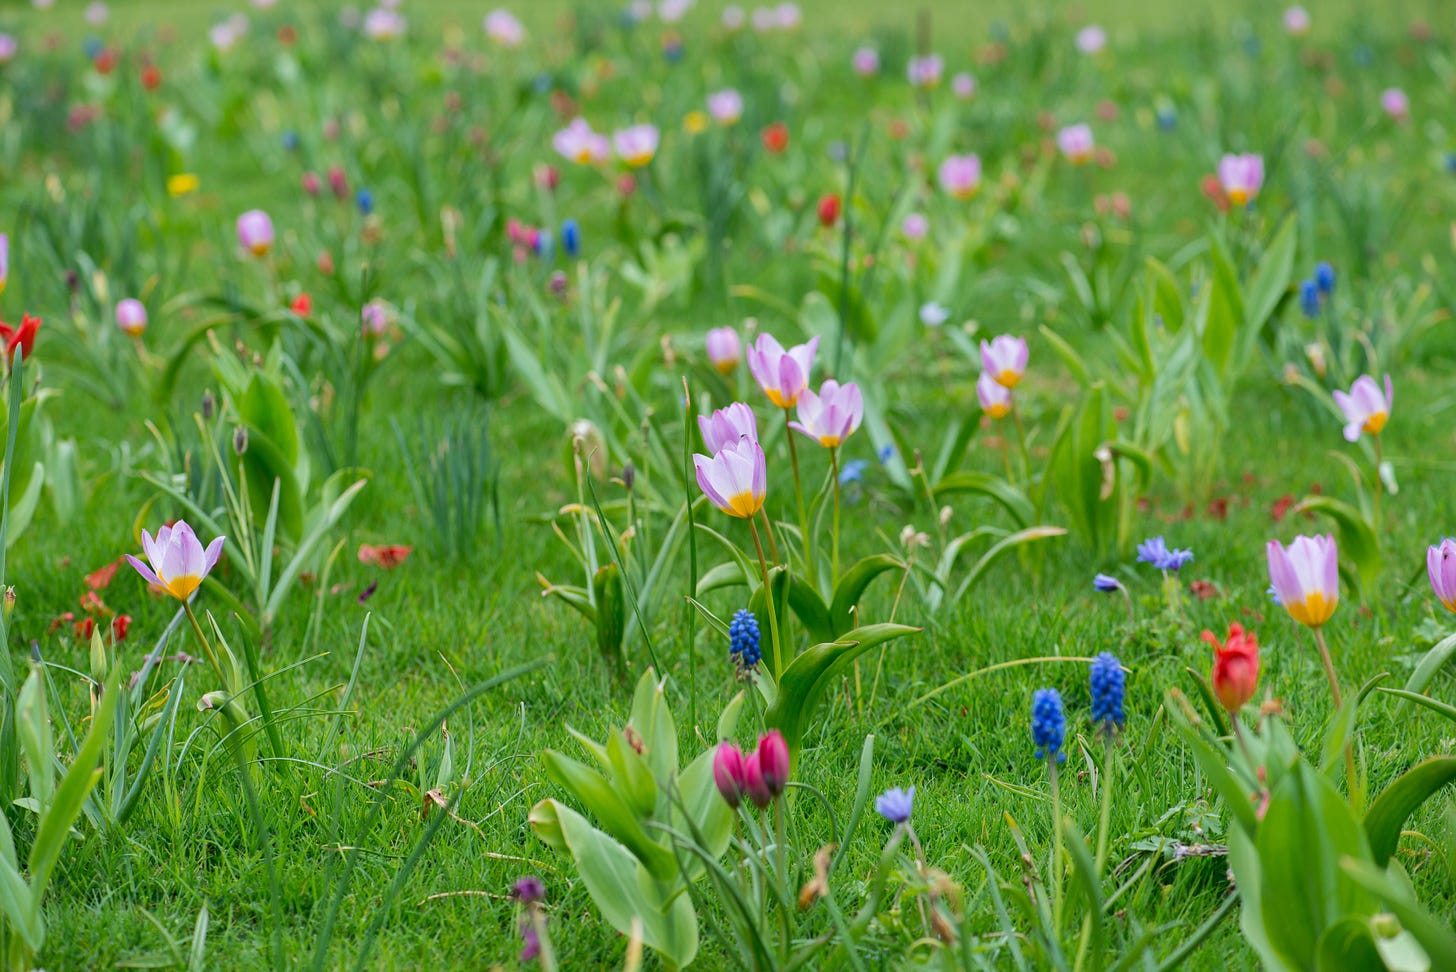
x=743 y=638
x=1048 y=724
x=1108 y=683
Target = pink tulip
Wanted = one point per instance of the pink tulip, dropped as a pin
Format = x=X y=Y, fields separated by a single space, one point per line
x=1296 y=21
x=831 y=416
x=580 y=144
x=636 y=145
x=866 y=62
x=724 y=352
x=963 y=86
x=1076 y=143
x=1441 y=566
x=736 y=479
x=1306 y=578
x=1004 y=359
x=915 y=227
x=178 y=561
x=725 y=427
x=502 y=27
x=255 y=232
x=995 y=397
x=1365 y=408
x=783 y=375
x=131 y=317
x=925 y=72
x=725 y=106
x=1395 y=104
x=1091 y=39
x=1241 y=176
x=383 y=25
x=960 y=175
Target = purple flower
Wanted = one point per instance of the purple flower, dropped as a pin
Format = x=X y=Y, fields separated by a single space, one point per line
x=1365 y=408
x=1106 y=584
x=895 y=804
x=1155 y=551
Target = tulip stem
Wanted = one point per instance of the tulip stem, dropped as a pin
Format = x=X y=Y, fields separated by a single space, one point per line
x=773 y=615
x=834 y=562
x=1021 y=441
x=1375 y=507
x=1319 y=640
x=207 y=646
x=773 y=547
x=799 y=495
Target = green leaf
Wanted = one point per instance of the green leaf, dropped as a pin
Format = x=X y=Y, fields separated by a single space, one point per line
x=1013 y=500
x=616 y=884
x=809 y=608
x=1266 y=289
x=808 y=677
x=1346 y=946
x=1000 y=547
x=1431 y=663
x=1214 y=764
x=652 y=720
x=617 y=818
x=851 y=588
x=1434 y=935
x=1435 y=705
x=611 y=613
x=1068 y=354
x=1387 y=815
x=1306 y=830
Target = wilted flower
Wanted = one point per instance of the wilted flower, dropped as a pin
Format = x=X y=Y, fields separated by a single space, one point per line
x=1306 y=578
x=1091 y=39
x=502 y=27
x=1076 y=143
x=1394 y=103
x=131 y=317
x=580 y=144
x=1155 y=551
x=1004 y=359
x=636 y=145
x=866 y=62
x=724 y=351
x=1441 y=566
x=725 y=106
x=1365 y=408
x=895 y=804
x=178 y=561
x=832 y=415
x=960 y=175
x=1296 y=21
x=783 y=375
x=1048 y=724
x=995 y=398
x=1241 y=177
x=735 y=479
x=925 y=72
x=726 y=426
x=255 y=232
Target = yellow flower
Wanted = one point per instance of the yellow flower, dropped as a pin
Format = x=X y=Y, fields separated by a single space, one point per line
x=181 y=184
x=696 y=123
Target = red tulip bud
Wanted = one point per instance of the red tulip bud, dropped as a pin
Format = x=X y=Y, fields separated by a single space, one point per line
x=773 y=758
x=1235 y=667
x=829 y=209
x=728 y=774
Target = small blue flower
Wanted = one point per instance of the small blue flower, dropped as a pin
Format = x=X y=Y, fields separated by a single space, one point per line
x=1363 y=55
x=1324 y=276
x=1309 y=299
x=1048 y=725
x=1155 y=551
x=570 y=238
x=838 y=151
x=743 y=638
x=365 y=201
x=1167 y=119
x=290 y=140
x=1106 y=584
x=853 y=471
x=92 y=46
x=1274 y=596
x=886 y=453
x=541 y=83
x=895 y=804
x=1108 y=682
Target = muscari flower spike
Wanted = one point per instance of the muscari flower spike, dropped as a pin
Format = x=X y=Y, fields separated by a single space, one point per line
x=743 y=638
x=1048 y=724
x=1108 y=683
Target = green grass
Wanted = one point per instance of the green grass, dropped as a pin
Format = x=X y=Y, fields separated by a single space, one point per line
x=437 y=628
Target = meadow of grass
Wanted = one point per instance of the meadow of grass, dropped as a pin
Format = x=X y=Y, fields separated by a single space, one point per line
x=428 y=132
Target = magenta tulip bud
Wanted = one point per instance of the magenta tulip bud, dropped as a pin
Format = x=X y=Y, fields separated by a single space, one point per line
x=754 y=786
x=338 y=182
x=728 y=774
x=773 y=761
x=312 y=184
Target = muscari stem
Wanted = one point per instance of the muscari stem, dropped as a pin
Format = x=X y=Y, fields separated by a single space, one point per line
x=1055 y=877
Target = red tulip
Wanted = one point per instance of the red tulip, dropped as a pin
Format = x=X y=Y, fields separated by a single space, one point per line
x=829 y=209
x=22 y=337
x=1235 y=667
x=775 y=137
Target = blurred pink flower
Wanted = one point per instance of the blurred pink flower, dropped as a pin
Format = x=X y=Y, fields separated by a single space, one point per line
x=960 y=175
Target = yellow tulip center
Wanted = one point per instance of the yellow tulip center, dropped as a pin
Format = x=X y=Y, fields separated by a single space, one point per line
x=260 y=249
x=182 y=587
x=1238 y=195
x=1376 y=422
x=998 y=410
x=1007 y=378
x=780 y=399
x=743 y=505
x=1314 y=610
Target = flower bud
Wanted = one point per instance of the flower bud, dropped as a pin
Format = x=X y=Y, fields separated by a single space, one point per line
x=240 y=439
x=773 y=758
x=209 y=404
x=728 y=774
